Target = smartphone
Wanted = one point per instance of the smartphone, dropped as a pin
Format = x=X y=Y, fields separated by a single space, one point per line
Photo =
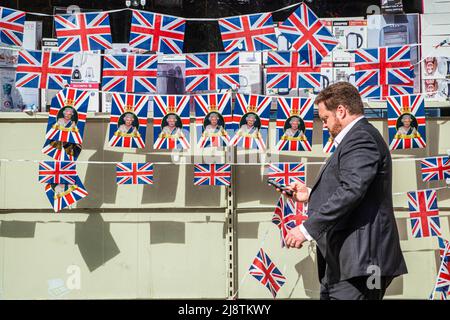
x=280 y=186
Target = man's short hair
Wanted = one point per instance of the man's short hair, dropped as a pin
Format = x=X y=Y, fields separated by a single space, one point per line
x=341 y=93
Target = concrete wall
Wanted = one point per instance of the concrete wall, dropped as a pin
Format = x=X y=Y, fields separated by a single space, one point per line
x=168 y=240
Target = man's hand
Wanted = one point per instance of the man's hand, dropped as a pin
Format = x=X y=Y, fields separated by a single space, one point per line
x=294 y=238
x=300 y=192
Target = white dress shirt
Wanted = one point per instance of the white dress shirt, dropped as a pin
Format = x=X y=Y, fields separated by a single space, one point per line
x=337 y=141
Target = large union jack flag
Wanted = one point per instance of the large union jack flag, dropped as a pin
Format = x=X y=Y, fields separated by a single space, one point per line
x=287 y=215
x=254 y=32
x=406 y=121
x=265 y=271
x=288 y=70
x=436 y=168
x=128 y=122
x=129 y=73
x=64 y=172
x=157 y=32
x=208 y=107
x=384 y=91
x=424 y=213
x=171 y=122
x=212 y=174
x=251 y=121
x=11 y=26
x=328 y=145
x=134 y=173
x=67 y=116
x=64 y=195
x=286 y=173
x=44 y=69
x=83 y=32
x=212 y=71
x=295 y=123
x=442 y=286
x=61 y=151
x=308 y=35
x=383 y=66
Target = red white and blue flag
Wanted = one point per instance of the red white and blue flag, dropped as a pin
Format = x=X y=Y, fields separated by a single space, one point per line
x=64 y=195
x=205 y=106
x=296 y=109
x=128 y=105
x=444 y=247
x=442 y=286
x=254 y=32
x=44 y=69
x=308 y=35
x=401 y=136
x=287 y=215
x=83 y=32
x=265 y=271
x=212 y=71
x=424 y=213
x=58 y=129
x=12 y=24
x=286 y=173
x=436 y=168
x=64 y=172
x=289 y=70
x=129 y=73
x=383 y=66
x=167 y=136
x=61 y=151
x=256 y=107
x=157 y=32
x=328 y=145
x=212 y=174
x=134 y=173
x=382 y=92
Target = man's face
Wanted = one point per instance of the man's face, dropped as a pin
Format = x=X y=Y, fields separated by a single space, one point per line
x=250 y=121
x=214 y=121
x=406 y=122
x=330 y=119
x=171 y=122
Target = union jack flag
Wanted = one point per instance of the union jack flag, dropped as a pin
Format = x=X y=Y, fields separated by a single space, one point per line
x=424 y=213
x=61 y=151
x=44 y=70
x=134 y=173
x=64 y=195
x=206 y=106
x=83 y=32
x=437 y=168
x=287 y=173
x=171 y=135
x=121 y=133
x=287 y=215
x=212 y=174
x=256 y=107
x=212 y=71
x=406 y=136
x=288 y=70
x=444 y=247
x=290 y=110
x=327 y=141
x=265 y=271
x=382 y=92
x=254 y=32
x=308 y=35
x=129 y=73
x=11 y=26
x=157 y=32
x=442 y=285
x=64 y=172
x=383 y=66
x=68 y=130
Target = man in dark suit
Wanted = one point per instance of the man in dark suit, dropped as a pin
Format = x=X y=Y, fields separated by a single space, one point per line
x=350 y=212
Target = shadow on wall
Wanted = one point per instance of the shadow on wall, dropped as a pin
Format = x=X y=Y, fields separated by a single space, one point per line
x=17 y=229
x=307 y=270
x=167 y=232
x=200 y=195
x=95 y=241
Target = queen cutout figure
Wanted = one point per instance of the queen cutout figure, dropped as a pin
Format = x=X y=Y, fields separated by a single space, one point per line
x=406 y=131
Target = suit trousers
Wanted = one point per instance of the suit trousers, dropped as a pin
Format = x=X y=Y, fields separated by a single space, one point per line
x=354 y=289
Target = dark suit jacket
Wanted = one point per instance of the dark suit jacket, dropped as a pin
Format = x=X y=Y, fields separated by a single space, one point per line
x=350 y=212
